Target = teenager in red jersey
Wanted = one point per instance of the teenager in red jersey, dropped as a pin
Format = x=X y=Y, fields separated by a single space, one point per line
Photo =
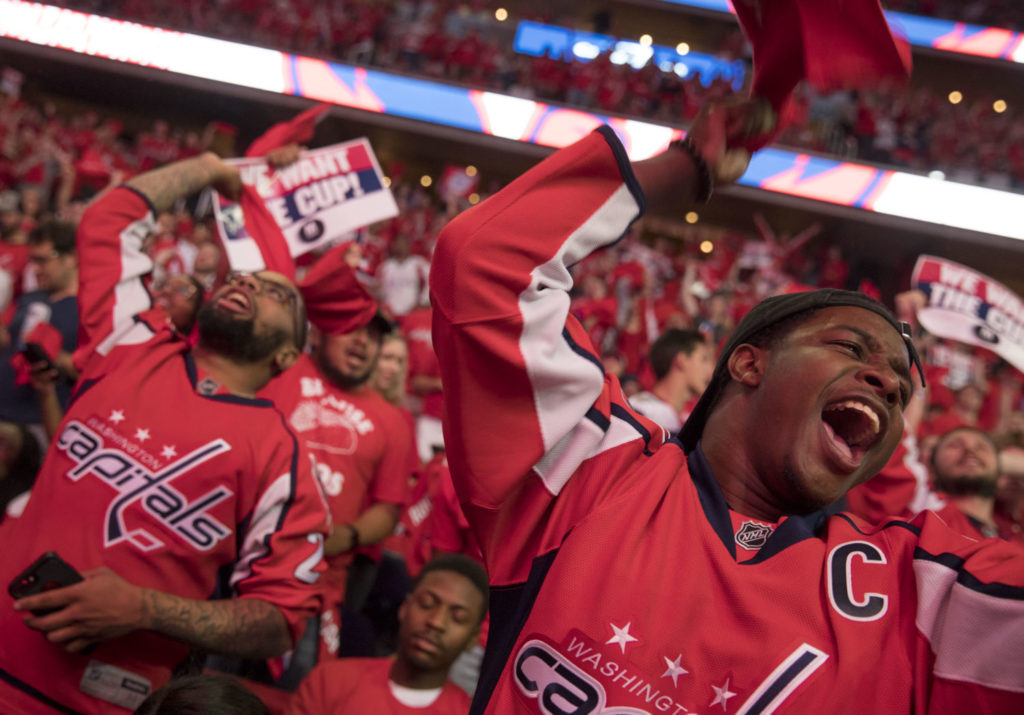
x=439 y=619
x=169 y=480
x=631 y=574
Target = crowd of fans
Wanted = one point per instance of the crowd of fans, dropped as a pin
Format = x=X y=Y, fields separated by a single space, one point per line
x=463 y=42
x=626 y=297
x=988 y=13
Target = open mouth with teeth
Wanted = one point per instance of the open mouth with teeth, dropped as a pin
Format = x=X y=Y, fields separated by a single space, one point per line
x=235 y=301
x=853 y=428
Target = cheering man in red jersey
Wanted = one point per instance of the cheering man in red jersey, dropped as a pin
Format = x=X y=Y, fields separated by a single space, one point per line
x=168 y=481
x=633 y=573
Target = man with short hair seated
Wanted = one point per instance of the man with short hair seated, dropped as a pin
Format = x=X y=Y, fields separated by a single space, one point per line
x=439 y=619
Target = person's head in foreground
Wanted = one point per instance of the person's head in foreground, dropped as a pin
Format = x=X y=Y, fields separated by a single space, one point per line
x=203 y=695
x=965 y=462
x=806 y=401
x=256 y=319
x=439 y=619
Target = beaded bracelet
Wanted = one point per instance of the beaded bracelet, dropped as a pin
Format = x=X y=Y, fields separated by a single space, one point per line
x=705 y=179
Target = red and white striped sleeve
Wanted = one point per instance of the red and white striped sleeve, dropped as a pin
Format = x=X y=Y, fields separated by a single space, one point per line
x=969 y=620
x=526 y=397
x=111 y=266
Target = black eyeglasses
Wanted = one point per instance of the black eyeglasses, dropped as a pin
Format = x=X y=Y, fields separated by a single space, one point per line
x=276 y=291
x=184 y=287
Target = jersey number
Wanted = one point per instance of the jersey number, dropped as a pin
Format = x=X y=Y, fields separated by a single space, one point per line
x=305 y=571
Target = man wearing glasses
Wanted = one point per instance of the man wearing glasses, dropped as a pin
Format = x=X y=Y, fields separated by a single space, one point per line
x=169 y=480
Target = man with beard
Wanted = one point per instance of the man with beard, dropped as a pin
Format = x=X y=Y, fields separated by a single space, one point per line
x=634 y=573
x=359 y=445
x=965 y=469
x=169 y=480
x=438 y=620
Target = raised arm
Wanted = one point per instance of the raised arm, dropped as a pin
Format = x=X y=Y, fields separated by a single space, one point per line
x=525 y=391
x=110 y=237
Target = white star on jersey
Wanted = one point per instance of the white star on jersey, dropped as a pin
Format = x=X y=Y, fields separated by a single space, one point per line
x=142 y=434
x=116 y=416
x=674 y=669
x=621 y=637
x=168 y=452
x=722 y=695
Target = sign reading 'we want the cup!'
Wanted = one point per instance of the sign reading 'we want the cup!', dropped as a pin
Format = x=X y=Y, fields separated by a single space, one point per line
x=970 y=307
x=316 y=201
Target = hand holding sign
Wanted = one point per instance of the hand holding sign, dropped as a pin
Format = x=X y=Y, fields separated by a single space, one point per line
x=319 y=198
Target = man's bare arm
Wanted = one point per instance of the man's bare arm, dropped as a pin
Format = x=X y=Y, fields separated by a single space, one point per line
x=166 y=185
x=246 y=627
x=375 y=524
x=105 y=606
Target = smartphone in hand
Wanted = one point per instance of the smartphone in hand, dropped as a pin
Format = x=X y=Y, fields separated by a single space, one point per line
x=46 y=573
x=34 y=353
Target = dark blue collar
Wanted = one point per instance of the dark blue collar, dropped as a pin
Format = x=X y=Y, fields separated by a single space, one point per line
x=712 y=501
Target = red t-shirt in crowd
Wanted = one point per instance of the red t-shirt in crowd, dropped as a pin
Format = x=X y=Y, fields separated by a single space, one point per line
x=362 y=685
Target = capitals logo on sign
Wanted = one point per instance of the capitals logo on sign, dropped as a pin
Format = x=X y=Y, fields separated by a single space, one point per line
x=752 y=535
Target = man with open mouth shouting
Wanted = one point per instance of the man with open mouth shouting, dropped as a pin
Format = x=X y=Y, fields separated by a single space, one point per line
x=636 y=573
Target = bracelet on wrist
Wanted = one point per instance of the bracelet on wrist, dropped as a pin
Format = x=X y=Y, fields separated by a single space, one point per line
x=354 y=537
x=705 y=179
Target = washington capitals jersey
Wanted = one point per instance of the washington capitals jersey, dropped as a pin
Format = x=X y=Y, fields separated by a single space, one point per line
x=621 y=580
x=160 y=475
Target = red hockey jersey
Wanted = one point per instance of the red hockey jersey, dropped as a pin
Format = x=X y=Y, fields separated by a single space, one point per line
x=160 y=475
x=613 y=557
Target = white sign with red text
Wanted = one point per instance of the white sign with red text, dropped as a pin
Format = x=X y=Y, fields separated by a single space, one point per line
x=316 y=201
x=970 y=307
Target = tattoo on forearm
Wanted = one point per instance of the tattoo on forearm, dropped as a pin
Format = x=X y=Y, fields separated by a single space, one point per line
x=164 y=186
x=244 y=627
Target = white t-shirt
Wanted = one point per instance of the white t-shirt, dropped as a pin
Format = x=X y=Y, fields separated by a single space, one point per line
x=656 y=409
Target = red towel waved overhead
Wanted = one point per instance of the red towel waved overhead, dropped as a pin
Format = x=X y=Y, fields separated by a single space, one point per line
x=834 y=44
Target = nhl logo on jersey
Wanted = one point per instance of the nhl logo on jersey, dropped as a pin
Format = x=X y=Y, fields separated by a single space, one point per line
x=207 y=386
x=752 y=535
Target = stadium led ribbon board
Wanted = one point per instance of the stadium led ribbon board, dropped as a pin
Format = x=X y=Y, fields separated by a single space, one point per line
x=842 y=183
x=927 y=32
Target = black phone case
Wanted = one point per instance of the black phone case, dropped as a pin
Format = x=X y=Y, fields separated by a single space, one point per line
x=34 y=353
x=46 y=573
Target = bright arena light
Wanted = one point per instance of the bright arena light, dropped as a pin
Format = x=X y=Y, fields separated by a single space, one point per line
x=706 y=246
x=646 y=40
x=501 y=14
x=955 y=97
x=470 y=170
x=586 y=50
x=683 y=48
x=426 y=181
x=999 y=106
x=692 y=217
